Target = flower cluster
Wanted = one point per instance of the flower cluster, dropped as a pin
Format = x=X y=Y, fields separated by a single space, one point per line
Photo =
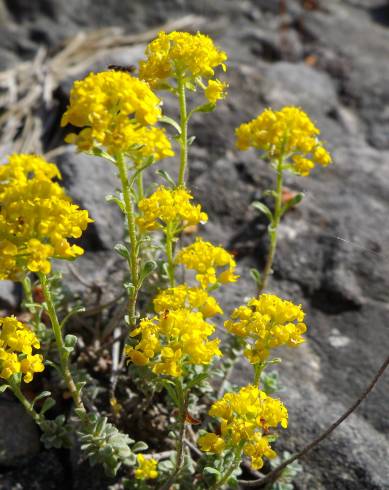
x=169 y=207
x=187 y=56
x=147 y=468
x=172 y=340
x=36 y=217
x=205 y=259
x=288 y=133
x=16 y=344
x=183 y=296
x=115 y=111
x=246 y=418
x=267 y=322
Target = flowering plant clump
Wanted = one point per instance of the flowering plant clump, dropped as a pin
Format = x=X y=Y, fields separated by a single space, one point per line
x=167 y=358
x=37 y=218
x=205 y=259
x=287 y=134
x=17 y=342
x=268 y=322
x=245 y=419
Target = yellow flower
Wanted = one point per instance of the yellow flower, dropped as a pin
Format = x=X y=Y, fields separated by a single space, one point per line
x=172 y=340
x=206 y=259
x=16 y=344
x=265 y=323
x=215 y=91
x=169 y=207
x=180 y=54
x=115 y=111
x=286 y=134
x=211 y=443
x=245 y=418
x=147 y=468
x=183 y=296
x=36 y=218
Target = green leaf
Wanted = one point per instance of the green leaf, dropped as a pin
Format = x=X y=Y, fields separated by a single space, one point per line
x=167 y=177
x=255 y=275
x=122 y=250
x=197 y=380
x=44 y=394
x=70 y=341
x=209 y=107
x=116 y=200
x=191 y=140
x=47 y=404
x=139 y=446
x=3 y=388
x=212 y=471
x=292 y=203
x=130 y=288
x=147 y=269
x=264 y=209
x=171 y=121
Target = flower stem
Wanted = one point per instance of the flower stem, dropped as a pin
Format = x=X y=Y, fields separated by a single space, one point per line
x=133 y=260
x=23 y=400
x=184 y=130
x=258 y=368
x=29 y=299
x=230 y=469
x=273 y=230
x=63 y=353
x=169 y=255
x=182 y=398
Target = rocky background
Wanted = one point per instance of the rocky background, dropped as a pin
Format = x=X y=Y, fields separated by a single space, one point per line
x=331 y=58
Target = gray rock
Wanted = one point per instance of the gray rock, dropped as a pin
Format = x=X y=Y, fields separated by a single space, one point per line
x=300 y=85
x=19 y=438
x=89 y=180
x=8 y=296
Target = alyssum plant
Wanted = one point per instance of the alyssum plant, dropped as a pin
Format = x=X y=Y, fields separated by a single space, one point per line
x=170 y=343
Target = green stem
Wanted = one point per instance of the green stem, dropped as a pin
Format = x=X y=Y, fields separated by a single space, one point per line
x=169 y=255
x=231 y=468
x=28 y=298
x=182 y=398
x=63 y=353
x=258 y=368
x=133 y=261
x=273 y=230
x=139 y=181
x=26 y=404
x=184 y=130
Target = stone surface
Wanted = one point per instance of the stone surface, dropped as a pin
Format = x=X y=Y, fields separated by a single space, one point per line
x=333 y=249
x=19 y=438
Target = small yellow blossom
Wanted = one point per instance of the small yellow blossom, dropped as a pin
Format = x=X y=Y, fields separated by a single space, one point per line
x=287 y=134
x=245 y=418
x=183 y=296
x=215 y=91
x=265 y=323
x=36 y=217
x=211 y=443
x=169 y=207
x=115 y=111
x=206 y=259
x=16 y=344
x=172 y=340
x=180 y=54
x=147 y=468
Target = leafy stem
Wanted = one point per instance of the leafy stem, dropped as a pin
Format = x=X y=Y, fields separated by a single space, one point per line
x=15 y=387
x=133 y=257
x=273 y=228
x=230 y=469
x=180 y=397
x=169 y=255
x=63 y=350
x=183 y=139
